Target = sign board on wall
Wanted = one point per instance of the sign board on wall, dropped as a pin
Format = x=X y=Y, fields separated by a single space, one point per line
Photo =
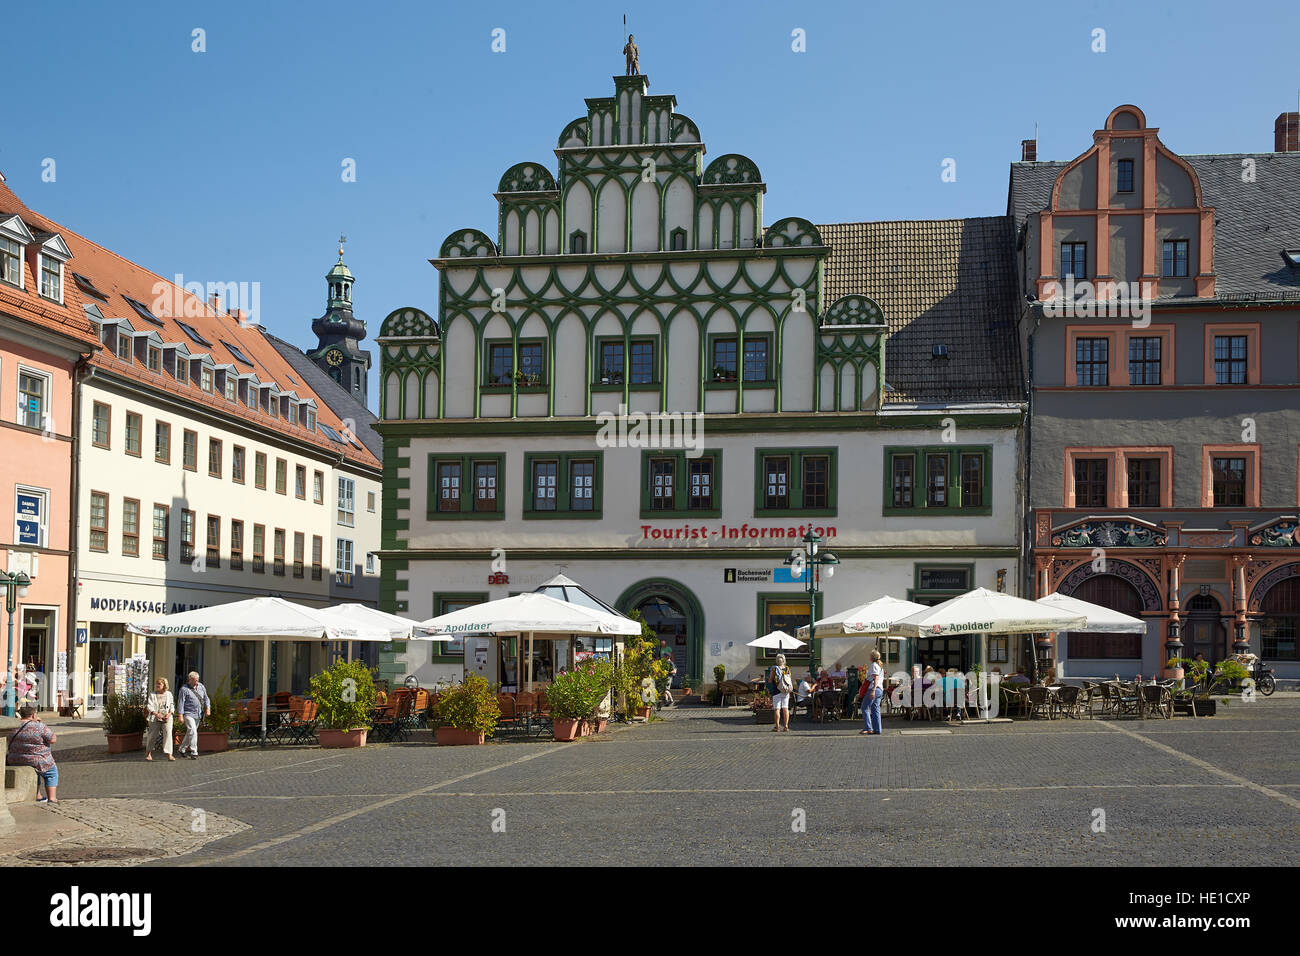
x=61 y=671
x=29 y=516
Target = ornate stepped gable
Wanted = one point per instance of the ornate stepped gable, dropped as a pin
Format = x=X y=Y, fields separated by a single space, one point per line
x=634 y=233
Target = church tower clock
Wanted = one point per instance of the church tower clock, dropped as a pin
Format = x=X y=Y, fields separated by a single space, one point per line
x=339 y=334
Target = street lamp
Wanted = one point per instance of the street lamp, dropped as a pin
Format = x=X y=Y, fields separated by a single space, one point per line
x=15 y=585
x=812 y=559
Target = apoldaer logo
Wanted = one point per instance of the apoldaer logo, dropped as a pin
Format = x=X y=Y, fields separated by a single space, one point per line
x=77 y=909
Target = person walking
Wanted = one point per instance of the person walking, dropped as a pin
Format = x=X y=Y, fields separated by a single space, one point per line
x=779 y=680
x=872 y=691
x=29 y=746
x=161 y=707
x=193 y=706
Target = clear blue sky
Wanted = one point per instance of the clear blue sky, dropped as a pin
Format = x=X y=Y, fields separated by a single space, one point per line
x=225 y=165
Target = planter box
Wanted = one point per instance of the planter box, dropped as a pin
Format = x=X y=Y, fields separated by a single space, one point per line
x=600 y=724
x=643 y=713
x=213 y=742
x=586 y=727
x=564 y=729
x=124 y=743
x=765 y=716
x=342 y=738
x=455 y=737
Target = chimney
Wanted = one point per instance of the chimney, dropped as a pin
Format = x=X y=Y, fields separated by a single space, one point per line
x=1286 y=133
x=214 y=300
x=1029 y=150
x=240 y=316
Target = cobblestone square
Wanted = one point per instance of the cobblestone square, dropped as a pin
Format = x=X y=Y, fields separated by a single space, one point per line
x=708 y=785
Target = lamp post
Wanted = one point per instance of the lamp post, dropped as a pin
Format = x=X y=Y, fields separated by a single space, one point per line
x=15 y=585
x=813 y=559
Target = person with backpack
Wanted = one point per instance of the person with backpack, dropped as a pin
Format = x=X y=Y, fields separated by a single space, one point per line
x=780 y=685
x=666 y=682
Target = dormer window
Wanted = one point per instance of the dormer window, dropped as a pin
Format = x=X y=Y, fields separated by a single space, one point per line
x=124 y=346
x=229 y=387
x=182 y=370
x=155 y=359
x=578 y=242
x=14 y=238
x=11 y=262
x=206 y=380
x=1291 y=257
x=51 y=278
x=311 y=420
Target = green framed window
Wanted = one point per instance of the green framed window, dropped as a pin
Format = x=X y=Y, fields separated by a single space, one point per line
x=564 y=484
x=786 y=611
x=795 y=481
x=939 y=479
x=632 y=360
x=466 y=486
x=444 y=602
x=676 y=485
x=746 y=359
x=501 y=369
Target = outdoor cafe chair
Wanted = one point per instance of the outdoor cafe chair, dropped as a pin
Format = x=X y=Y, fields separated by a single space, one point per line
x=1091 y=694
x=383 y=723
x=526 y=708
x=250 y=724
x=1157 y=699
x=508 y=722
x=1126 y=700
x=1067 y=701
x=1039 y=700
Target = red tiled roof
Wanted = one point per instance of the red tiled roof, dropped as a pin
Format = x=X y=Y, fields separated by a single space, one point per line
x=117 y=277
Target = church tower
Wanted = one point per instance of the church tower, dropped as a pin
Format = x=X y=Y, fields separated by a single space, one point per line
x=339 y=334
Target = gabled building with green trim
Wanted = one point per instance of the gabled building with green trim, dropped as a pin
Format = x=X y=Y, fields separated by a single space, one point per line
x=638 y=383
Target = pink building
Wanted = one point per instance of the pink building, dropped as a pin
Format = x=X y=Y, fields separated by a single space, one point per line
x=44 y=334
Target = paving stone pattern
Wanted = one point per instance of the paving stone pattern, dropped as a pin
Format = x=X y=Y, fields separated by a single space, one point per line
x=708 y=785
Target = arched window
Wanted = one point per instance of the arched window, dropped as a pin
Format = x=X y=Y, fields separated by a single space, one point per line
x=356 y=377
x=577 y=242
x=1280 y=627
x=1113 y=592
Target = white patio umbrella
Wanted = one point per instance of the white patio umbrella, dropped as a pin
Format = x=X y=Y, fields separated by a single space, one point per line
x=873 y=619
x=986 y=612
x=778 y=639
x=1101 y=620
x=399 y=628
x=528 y=615
x=263 y=619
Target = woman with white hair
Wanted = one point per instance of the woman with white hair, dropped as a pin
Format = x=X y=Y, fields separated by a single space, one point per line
x=780 y=683
x=161 y=707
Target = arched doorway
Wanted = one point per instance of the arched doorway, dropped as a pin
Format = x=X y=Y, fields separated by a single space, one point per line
x=1280 y=624
x=1113 y=592
x=675 y=616
x=1203 y=630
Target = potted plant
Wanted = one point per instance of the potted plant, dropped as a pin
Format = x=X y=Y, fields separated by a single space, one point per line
x=124 y=722
x=344 y=695
x=468 y=713
x=719 y=675
x=576 y=698
x=1196 y=699
x=214 y=729
x=761 y=705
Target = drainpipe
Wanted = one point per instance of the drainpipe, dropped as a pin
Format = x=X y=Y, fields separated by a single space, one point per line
x=74 y=488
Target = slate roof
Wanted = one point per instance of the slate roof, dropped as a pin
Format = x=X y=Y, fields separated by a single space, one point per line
x=938 y=282
x=119 y=278
x=334 y=395
x=1254 y=221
